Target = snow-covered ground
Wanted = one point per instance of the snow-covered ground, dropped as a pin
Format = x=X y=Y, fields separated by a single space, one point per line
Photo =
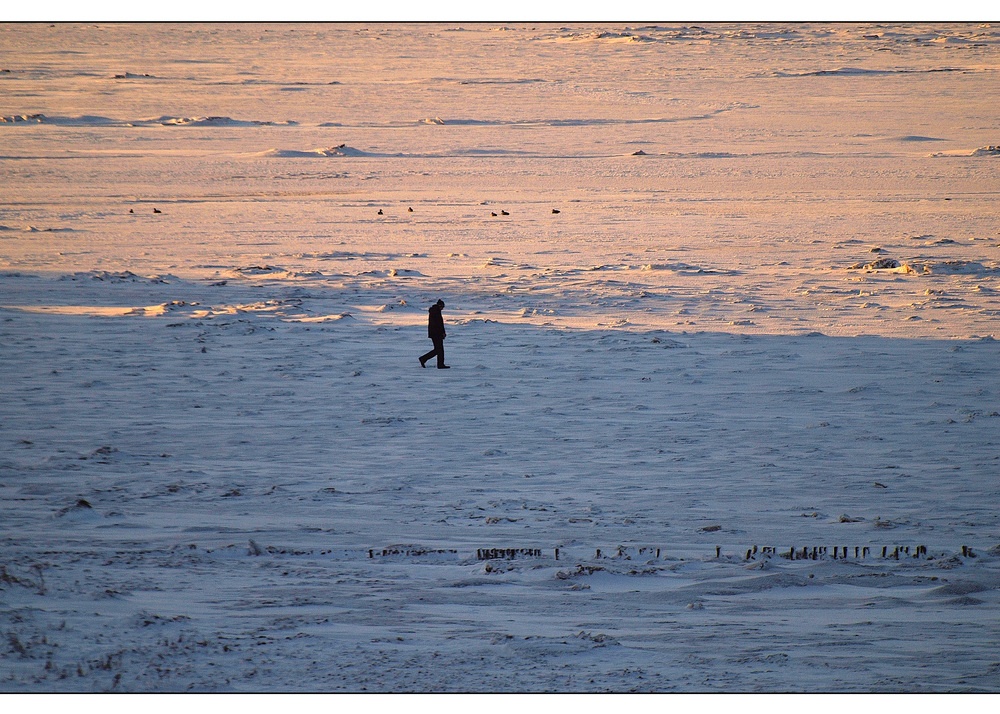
x=674 y=346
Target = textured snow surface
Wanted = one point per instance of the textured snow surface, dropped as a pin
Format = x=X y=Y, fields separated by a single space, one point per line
x=737 y=303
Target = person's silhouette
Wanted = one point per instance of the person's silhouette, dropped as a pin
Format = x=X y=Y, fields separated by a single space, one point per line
x=435 y=330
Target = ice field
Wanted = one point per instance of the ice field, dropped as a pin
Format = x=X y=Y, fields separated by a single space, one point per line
x=721 y=300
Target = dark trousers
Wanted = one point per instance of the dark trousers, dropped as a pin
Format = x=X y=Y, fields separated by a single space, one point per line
x=438 y=350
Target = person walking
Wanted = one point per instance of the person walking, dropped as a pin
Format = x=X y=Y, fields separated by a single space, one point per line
x=435 y=330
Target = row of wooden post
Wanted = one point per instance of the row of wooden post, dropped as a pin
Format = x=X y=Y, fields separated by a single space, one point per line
x=383 y=552
x=509 y=553
x=621 y=552
x=793 y=553
x=839 y=551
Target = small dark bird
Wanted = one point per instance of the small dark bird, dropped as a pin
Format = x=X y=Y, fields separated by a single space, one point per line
x=556 y=210
x=409 y=210
x=380 y=212
x=157 y=210
x=131 y=211
x=493 y=214
x=504 y=213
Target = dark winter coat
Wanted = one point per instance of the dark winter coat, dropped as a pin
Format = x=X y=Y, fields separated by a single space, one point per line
x=435 y=324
